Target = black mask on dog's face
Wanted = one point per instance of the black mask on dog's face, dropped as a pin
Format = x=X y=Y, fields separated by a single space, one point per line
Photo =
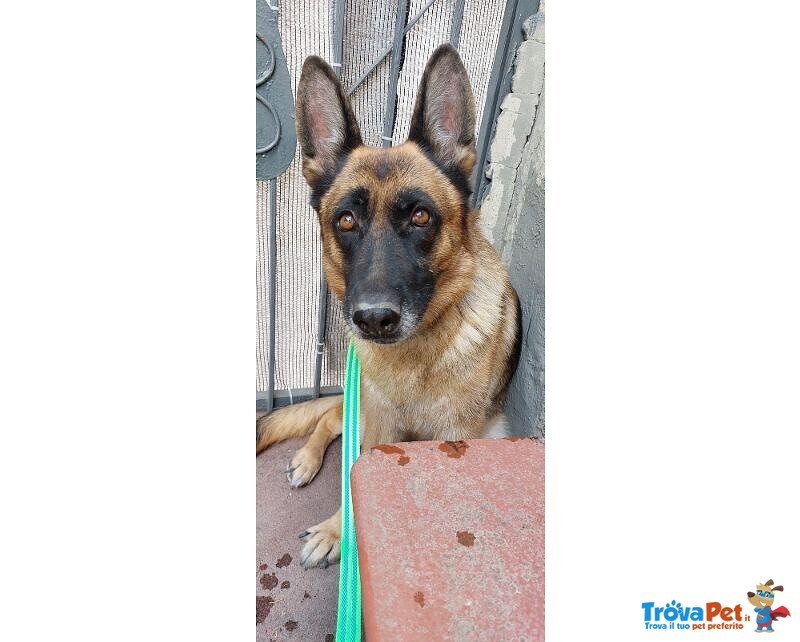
x=391 y=219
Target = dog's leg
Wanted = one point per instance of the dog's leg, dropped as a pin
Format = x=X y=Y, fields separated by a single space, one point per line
x=307 y=461
x=322 y=542
x=298 y=420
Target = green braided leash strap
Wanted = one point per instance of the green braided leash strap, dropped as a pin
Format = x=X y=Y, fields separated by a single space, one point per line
x=348 y=621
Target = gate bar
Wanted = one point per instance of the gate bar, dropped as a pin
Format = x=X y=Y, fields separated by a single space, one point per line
x=293 y=395
x=322 y=311
x=272 y=239
x=386 y=51
x=455 y=27
x=394 y=74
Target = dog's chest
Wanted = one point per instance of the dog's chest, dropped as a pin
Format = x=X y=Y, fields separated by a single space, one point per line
x=420 y=405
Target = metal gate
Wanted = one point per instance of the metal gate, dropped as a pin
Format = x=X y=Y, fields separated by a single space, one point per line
x=395 y=38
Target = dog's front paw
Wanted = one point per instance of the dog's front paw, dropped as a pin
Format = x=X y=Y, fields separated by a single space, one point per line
x=322 y=543
x=304 y=467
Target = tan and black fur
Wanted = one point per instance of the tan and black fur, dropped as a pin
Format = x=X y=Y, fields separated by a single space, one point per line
x=430 y=306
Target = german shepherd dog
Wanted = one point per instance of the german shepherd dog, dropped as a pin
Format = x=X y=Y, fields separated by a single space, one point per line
x=428 y=302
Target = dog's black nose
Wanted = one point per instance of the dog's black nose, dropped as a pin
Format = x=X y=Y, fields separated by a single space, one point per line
x=376 y=321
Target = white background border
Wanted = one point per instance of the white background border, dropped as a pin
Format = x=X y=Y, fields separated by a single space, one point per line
x=673 y=348
x=126 y=256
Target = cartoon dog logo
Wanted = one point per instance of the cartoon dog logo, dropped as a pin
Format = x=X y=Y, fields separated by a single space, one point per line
x=762 y=599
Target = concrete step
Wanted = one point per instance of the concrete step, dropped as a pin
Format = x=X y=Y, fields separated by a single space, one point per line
x=451 y=540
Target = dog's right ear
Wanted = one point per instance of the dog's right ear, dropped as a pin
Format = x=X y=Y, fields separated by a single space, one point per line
x=326 y=127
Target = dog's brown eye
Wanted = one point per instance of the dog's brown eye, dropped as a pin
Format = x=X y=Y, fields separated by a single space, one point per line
x=347 y=221
x=420 y=218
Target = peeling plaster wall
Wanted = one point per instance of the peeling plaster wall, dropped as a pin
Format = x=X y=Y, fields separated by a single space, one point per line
x=512 y=215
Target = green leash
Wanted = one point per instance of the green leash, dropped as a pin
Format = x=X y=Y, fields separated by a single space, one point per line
x=348 y=621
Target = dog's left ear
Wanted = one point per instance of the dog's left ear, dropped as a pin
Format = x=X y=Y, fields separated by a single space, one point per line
x=444 y=114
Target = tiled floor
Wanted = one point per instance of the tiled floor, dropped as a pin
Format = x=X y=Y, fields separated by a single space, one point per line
x=293 y=604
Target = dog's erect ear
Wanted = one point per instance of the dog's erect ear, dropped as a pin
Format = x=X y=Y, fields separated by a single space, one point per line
x=444 y=114
x=768 y=583
x=326 y=127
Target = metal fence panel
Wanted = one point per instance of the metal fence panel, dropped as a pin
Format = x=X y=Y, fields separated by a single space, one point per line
x=384 y=47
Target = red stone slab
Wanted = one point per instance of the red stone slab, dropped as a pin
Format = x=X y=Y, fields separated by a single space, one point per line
x=451 y=540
